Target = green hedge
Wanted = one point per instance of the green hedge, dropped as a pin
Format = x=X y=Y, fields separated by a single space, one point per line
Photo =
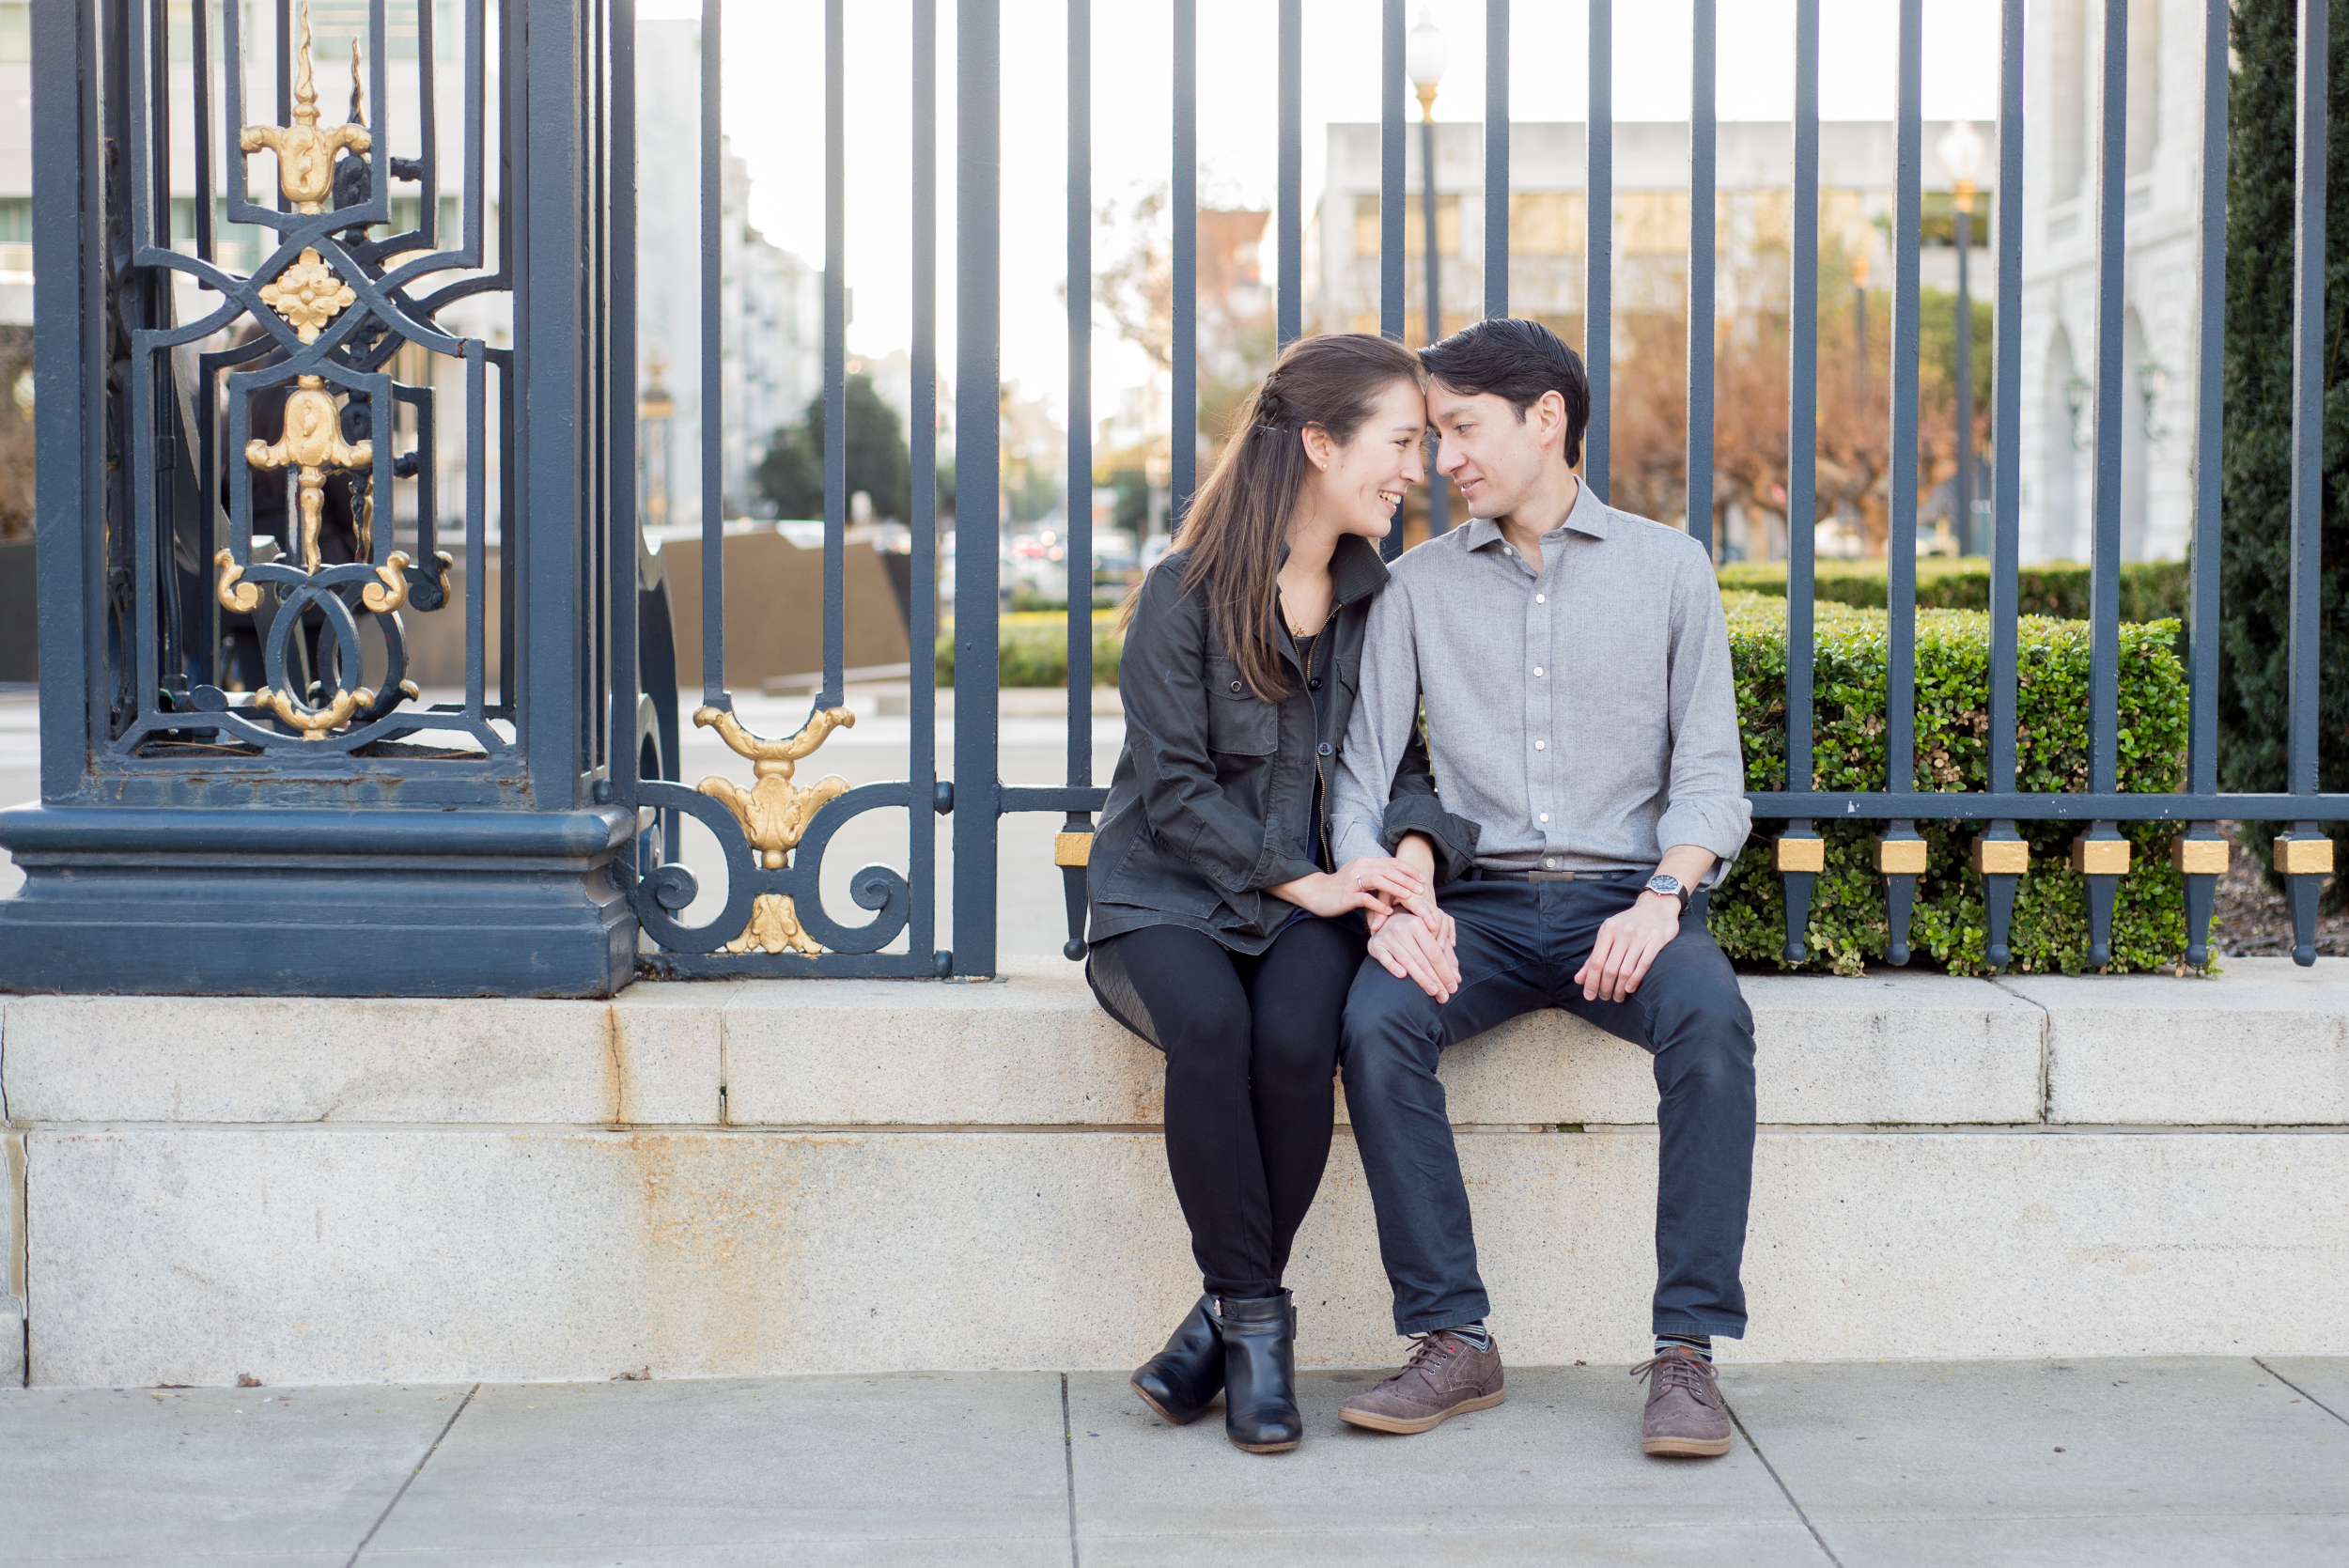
x=1032 y=650
x=2150 y=590
x=1848 y=924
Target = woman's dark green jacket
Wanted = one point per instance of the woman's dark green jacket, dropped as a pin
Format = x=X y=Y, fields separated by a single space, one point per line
x=1193 y=829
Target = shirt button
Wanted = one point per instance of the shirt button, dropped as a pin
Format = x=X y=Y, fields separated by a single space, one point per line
x=1315 y=684
x=1540 y=598
x=1537 y=669
x=1236 y=686
x=1541 y=745
x=1323 y=748
x=1545 y=817
x=1549 y=865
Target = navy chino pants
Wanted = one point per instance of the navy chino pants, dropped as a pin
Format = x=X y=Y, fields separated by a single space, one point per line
x=1520 y=946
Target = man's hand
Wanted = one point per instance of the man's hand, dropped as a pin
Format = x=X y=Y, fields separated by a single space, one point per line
x=1416 y=940
x=1373 y=883
x=1628 y=942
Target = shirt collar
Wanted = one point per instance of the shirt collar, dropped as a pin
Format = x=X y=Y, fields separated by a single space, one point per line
x=1589 y=516
x=1356 y=569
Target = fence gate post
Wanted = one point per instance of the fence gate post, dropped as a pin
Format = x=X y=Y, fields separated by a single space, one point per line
x=241 y=790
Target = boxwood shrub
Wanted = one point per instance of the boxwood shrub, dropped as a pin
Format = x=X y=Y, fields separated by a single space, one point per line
x=1032 y=650
x=2150 y=590
x=1848 y=926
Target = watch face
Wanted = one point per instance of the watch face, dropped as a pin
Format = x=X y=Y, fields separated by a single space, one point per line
x=1660 y=883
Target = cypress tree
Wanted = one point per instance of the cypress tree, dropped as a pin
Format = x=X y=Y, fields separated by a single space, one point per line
x=2255 y=479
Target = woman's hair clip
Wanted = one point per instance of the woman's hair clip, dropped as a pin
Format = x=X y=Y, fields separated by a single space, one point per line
x=1270 y=429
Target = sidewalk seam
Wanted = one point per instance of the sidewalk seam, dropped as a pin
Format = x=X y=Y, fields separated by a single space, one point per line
x=410 y=1480
x=2289 y=1384
x=1783 y=1490
x=1069 y=1458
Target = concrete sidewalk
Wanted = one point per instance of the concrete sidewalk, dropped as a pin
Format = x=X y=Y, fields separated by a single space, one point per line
x=2192 y=1462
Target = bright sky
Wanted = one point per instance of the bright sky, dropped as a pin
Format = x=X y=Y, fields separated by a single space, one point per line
x=773 y=112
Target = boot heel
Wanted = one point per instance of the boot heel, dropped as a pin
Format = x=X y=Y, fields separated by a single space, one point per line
x=1260 y=1413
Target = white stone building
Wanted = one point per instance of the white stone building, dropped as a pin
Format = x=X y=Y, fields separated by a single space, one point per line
x=2161 y=323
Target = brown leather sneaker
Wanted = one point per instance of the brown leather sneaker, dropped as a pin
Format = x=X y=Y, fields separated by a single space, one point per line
x=1685 y=1413
x=1444 y=1377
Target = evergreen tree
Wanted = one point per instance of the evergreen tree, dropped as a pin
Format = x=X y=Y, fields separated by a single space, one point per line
x=791 y=474
x=2255 y=476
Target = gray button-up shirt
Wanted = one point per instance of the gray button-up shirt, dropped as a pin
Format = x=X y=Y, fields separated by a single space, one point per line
x=1583 y=717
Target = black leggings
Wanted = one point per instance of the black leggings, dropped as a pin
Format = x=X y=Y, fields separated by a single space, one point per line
x=1252 y=1045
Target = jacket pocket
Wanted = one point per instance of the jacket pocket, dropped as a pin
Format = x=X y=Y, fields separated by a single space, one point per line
x=1239 y=722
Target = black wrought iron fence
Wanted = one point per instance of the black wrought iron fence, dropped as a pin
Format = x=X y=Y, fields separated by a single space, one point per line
x=198 y=827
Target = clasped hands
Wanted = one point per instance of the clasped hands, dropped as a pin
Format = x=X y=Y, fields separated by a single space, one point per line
x=1410 y=933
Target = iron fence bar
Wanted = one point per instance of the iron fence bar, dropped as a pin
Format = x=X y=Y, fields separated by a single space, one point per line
x=925 y=799
x=1701 y=150
x=1012 y=798
x=835 y=356
x=201 y=46
x=428 y=129
x=138 y=45
x=1183 y=466
x=2305 y=870
x=621 y=537
x=713 y=383
x=476 y=524
x=155 y=105
x=1289 y=223
x=1495 y=156
x=1391 y=157
x=1598 y=240
x=1077 y=829
x=1898 y=853
x=1431 y=266
x=2101 y=853
x=1999 y=853
x=69 y=476
x=2202 y=703
x=978 y=182
x=1802 y=457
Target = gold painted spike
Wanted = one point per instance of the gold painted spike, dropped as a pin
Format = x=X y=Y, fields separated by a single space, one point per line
x=1072 y=850
x=306 y=154
x=1900 y=857
x=2000 y=857
x=2200 y=857
x=1801 y=854
x=2100 y=857
x=2303 y=856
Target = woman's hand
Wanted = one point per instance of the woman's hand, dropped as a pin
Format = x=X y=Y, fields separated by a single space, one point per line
x=1373 y=883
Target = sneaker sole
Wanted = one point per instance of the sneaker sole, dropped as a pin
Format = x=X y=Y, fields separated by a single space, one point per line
x=1377 y=1422
x=1686 y=1448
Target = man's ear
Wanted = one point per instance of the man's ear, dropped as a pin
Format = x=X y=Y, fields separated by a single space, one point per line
x=1549 y=416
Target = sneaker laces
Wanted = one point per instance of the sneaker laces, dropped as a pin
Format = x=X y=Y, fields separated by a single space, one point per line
x=1691 y=1374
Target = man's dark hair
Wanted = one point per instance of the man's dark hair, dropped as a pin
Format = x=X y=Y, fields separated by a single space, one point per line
x=1517 y=360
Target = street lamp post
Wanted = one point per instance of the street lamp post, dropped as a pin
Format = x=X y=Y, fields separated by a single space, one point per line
x=1424 y=55
x=1961 y=153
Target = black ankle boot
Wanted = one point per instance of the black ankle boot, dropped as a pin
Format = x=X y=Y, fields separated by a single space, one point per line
x=1260 y=1374
x=1183 y=1379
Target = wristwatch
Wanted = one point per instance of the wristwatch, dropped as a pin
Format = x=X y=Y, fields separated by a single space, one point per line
x=1671 y=886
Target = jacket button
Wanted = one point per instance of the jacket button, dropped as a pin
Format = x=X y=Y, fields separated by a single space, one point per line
x=1236 y=686
x=1323 y=748
x=1314 y=685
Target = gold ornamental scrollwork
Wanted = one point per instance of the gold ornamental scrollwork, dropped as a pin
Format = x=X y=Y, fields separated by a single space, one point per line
x=774 y=813
x=313 y=442
x=306 y=153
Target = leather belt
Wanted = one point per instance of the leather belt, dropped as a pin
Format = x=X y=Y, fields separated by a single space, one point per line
x=1486 y=873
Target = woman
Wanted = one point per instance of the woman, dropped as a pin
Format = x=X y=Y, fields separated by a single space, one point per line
x=1222 y=932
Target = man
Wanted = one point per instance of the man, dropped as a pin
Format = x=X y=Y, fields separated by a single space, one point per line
x=1575 y=668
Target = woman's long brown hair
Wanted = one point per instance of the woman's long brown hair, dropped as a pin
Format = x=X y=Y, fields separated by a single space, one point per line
x=1240 y=516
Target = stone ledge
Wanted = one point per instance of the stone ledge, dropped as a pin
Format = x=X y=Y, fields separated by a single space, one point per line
x=2266 y=1042
x=1032 y=1052
x=164 y=1254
